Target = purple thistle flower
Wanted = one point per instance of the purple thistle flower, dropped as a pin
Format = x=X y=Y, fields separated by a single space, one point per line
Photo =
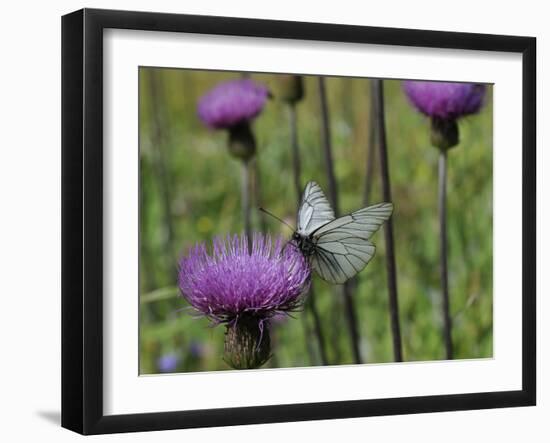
x=445 y=100
x=244 y=288
x=232 y=282
x=168 y=362
x=231 y=103
x=444 y=103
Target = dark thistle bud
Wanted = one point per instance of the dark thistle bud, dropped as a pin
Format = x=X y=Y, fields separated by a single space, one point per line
x=247 y=343
x=290 y=88
x=444 y=133
x=241 y=143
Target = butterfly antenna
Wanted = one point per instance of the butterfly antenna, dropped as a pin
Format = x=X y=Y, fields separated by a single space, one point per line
x=265 y=211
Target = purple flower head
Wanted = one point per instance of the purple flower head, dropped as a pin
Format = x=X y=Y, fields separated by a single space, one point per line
x=231 y=103
x=231 y=283
x=168 y=363
x=444 y=100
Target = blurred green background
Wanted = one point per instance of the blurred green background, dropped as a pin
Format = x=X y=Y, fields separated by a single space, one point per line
x=190 y=192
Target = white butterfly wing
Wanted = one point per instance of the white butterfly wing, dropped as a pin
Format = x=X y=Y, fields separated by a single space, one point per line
x=315 y=210
x=342 y=246
x=362 y=223
x=338 y=261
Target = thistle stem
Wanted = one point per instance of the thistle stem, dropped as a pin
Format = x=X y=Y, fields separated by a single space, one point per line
x=296 y=169
x=296 y=165
x=352 y=321
x=317 y=325
x=447 y=321
x=245 y=201
x=257 y=191
x=378 y=93
x=327 y=146
x=333 y=195
x=307 y=334
x=371 y=150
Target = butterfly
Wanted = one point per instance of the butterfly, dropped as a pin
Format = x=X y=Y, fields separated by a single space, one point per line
x=337 y=248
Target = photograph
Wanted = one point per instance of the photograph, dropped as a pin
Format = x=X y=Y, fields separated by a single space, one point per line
x=295 y=220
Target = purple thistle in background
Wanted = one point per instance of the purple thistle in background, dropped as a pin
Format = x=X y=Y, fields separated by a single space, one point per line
x=231 y=103
x=445 y=100
x=168 y=362
x=244 y=288
x=444 y=103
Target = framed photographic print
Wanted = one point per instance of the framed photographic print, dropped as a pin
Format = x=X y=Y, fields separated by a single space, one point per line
x=269 y=221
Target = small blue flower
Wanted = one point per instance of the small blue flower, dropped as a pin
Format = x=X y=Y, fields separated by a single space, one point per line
x=168 y=362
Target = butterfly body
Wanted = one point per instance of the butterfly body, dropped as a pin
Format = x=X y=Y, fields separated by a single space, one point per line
x=305 y=243
x=337 y=248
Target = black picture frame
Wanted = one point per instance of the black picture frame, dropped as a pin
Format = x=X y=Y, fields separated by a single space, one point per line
x=82 y=220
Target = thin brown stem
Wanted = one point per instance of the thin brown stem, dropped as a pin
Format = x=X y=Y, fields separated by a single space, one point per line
x=327 y=146
x=333 y=196
x=371 y=151
x=296 y=164
x=378 y=93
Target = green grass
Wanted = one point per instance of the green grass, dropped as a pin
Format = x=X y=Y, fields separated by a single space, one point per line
x=203 y=193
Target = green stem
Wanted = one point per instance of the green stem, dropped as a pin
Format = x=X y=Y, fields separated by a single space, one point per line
x=333 y=195
x=447 y=321
x=257 y=191
x=245 y=201
x=161 y=167
x=312 y=305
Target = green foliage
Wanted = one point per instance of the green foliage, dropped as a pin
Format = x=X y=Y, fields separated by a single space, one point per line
x=189 y=181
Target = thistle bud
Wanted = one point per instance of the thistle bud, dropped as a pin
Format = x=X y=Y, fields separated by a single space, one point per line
x=290 y=88
x=444 y=133
x=247 y=343
x=241 y=143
